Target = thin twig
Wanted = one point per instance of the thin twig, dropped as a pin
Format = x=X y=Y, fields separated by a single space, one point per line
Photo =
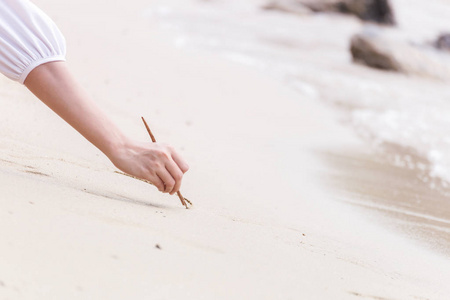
x=182 y=199
x=141 y=179
x=147 y=181
x=185 y=199
x=149 y=131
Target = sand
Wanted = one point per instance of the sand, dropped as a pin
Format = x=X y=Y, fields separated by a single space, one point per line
x=271 y=216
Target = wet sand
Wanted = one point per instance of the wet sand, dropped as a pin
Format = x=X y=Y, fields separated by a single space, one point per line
x=395 y=196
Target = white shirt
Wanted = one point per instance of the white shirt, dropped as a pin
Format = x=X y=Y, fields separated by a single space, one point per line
x=28 y=38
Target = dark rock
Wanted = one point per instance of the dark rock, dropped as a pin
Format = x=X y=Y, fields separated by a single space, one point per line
x=289 y=6
x=381 y=50
x=372 y=51
x=443 y=42
x=324 y=5
x=379 y=11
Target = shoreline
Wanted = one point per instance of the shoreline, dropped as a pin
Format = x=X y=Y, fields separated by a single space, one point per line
x=395 y=196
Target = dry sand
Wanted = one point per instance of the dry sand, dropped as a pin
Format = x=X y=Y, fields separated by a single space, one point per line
x=269 y=219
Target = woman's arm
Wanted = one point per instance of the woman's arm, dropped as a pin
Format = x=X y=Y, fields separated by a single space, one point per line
x=54 y=85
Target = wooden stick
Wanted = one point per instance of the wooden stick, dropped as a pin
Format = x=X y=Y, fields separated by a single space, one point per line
x=141 y=179
x=146 y=181
x=149 y=131
x=185 y=199
x=182 y=199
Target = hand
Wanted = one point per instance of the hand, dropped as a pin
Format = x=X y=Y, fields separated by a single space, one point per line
x=158 y=163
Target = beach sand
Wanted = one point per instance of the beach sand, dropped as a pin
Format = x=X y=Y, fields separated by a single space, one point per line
x=288 y=202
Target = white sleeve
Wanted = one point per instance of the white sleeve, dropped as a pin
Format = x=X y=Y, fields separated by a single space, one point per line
x=28 y=38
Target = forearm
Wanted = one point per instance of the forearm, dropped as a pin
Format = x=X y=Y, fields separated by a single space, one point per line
x=53 y=84
x=34 y=40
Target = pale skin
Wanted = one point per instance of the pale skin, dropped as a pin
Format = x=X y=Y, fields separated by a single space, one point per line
x=158 y=163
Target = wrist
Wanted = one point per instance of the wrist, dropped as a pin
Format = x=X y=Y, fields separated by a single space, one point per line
x=116 y=146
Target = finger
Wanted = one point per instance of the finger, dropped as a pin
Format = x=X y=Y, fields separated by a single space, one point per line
x=184 y=167
x=176 y=174
x=167 y=179
x=156 y=181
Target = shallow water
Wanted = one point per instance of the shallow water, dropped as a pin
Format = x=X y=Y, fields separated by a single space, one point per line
x=404 y=117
